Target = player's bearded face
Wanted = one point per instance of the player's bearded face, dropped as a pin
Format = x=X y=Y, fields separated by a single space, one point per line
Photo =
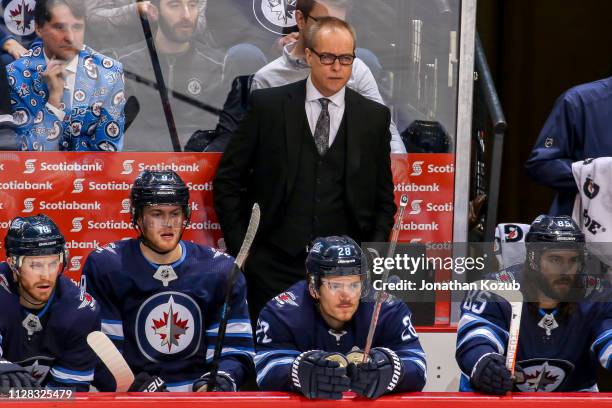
x=162 y=226
x=339 y=298
x=38 y=276
x=558 y=271
x=178 y=19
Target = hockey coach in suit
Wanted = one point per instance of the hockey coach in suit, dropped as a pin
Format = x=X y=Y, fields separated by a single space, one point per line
x=315 y=155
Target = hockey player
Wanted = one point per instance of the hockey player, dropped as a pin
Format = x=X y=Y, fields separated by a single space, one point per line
x=304 y=333
x=563 y=335
x=160 y=296
x=45 y=318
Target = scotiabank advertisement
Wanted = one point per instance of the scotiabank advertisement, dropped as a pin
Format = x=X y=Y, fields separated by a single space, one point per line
x=87 y=195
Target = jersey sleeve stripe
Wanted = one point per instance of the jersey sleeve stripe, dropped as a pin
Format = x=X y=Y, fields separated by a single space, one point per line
x=248 y=351
x=486 y=333
x=112 y=330
x=271 y=364
x=468 y=320
x=604 y=337
x=64 y=375
x=1 y=346
x=239 y=325
x=261 y=356
x=181 y=386
x=605 y=354
x=236 y=329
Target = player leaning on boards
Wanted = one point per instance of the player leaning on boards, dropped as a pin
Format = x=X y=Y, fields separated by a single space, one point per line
x=304 y=334
x=562 y=337
x=44 y=317
x=160 y=296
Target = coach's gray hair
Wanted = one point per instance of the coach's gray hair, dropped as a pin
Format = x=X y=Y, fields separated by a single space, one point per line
x=332 y=23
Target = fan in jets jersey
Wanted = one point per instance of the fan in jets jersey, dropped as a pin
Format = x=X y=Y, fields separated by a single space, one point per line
x=160 y=296
x=309 y=339
x=565 y=330
x=44 y=318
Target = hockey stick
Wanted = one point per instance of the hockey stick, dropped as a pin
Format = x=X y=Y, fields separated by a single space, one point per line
x=226 y=308
x=112 y=359
x=515 y=298
x=159 y=77
x=381 y=296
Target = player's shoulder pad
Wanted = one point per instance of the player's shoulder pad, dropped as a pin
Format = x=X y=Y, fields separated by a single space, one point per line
x=292 y=300
x=5 y=279
x=207 y=254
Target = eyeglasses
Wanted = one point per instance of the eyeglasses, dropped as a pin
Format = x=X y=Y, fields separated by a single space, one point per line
x=335 y=287
x=330 y=59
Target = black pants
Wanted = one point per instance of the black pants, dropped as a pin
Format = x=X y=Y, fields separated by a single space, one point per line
x=5 y=95
x=270 y=271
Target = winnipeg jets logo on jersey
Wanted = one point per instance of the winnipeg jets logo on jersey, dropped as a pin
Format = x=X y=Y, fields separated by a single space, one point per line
x=4 y=283
x=541 y=375
x=87 y=300
x=275 y=15
x=37 y=366
x=169 y=326
x=19 y=16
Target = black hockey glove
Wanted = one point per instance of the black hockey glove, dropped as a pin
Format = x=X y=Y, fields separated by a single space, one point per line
x=14 y=376
x=144 y=382
x=223 y=383
x=316 y=377
x=491 y=376
x=379 y=375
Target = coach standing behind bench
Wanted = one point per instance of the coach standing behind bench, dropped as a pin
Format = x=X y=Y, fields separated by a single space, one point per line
x=315 y=156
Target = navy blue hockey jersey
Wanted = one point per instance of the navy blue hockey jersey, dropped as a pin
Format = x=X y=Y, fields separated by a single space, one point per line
x=170 y=331
x=291 y=324
x=554 y=354
x=57 y=356
x=579 y=127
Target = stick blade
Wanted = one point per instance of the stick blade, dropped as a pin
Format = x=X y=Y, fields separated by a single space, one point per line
x=112 y=359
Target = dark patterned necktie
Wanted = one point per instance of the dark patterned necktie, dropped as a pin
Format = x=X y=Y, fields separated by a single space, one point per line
x=321 y=134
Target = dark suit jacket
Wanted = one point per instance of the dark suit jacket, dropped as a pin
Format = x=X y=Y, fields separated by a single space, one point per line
x=260 y=164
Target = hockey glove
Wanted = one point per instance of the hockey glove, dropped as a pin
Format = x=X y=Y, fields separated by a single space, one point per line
x=379 y=375
x=316 y=377
x=144 y=382
x=15 y=376
x=224 y=383
x=490 y=375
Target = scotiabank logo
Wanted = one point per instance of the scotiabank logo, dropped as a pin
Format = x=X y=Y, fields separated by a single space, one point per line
x=78 y=186
x=416 y=207
x=413 y=226
x=75 y=263
x=449 y=168
x=127 y=167
x=28 y=205
x=30 y=166
x=125 y=206
x=417 y=168
x=77 y=225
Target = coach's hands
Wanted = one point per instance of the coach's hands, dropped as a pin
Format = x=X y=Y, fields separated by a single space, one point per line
x=317 y=377
x=144 y=382
x=223 y=383
x=14 y=376
x=378 y=376
x=491 y=376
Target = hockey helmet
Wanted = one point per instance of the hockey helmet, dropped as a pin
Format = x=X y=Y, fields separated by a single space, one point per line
x=553 y=232
x=35 y=236
x=335 y=256
x=158 y=188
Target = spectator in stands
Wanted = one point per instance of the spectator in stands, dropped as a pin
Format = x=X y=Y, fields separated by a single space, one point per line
x=579 y=127
x=66 y=95
x=192 y=74
x=6 y=118
x=17 y=33
x=292 y=65
x=116 y=25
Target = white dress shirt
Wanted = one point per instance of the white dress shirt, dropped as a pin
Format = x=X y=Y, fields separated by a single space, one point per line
x=335 y=108
x=69 y=81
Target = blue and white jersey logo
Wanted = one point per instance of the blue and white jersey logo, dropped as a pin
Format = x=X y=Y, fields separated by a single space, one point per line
x=19 y=17
x=169 y=327
x=542 y=375
x=38 y=367
x=275 y=15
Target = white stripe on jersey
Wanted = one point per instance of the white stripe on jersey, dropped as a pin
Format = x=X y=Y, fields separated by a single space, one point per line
x=61 y=373
x=483 y=332
x=271 y=364
x=113 y=329
x=605 y=355
x=233 y=328
x=210 y=352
